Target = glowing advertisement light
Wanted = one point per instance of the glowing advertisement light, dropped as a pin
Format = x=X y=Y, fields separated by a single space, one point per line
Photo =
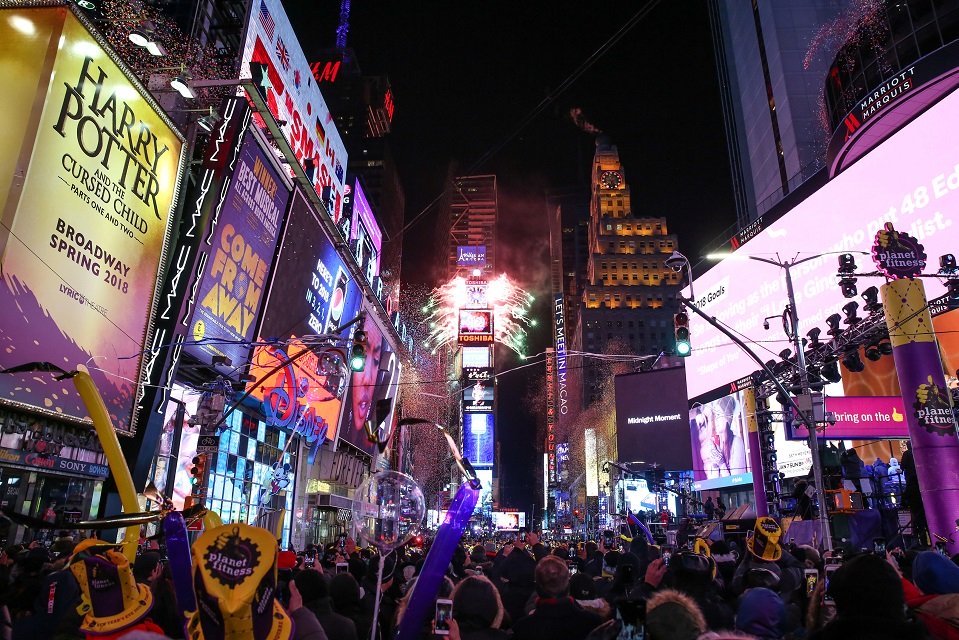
x=906 y=180
x=295 y=100
x=86 y=226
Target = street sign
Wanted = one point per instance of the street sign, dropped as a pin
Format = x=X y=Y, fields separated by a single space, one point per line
x=208 y=444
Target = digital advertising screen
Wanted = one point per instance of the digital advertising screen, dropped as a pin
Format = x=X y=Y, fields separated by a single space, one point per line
x=476 y=326
x=652 y=423
x=479 y=441
x=366 y=233
x=717 y=432
x=477 y=356
x=311 y=294
x=186 y=451
x=906 y=181
x=88 y=177
x=478 y=397
x=471 y=256
x=508 y=520
x=639 y=498
x=378 y=380
x=859 y=418
x=243 y=242
x=295 y=101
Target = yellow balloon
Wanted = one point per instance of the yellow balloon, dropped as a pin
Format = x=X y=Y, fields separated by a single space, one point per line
x=211 y=520
x=111 y=448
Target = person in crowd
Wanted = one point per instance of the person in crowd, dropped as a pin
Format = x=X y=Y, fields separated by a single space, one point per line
x=709 y=508
x=516 y=574
x=720 y=508
x=556 y=616
x=345 y=595
x=869 y=602
x=149 y=569
x=933 y=593
x=315 y=593
x=803 y=493
x=305 y=624
x=852 y=466
x=762 y=613
x=671 y=615
x=693 y=575
x=478 y=609
x=583 y=590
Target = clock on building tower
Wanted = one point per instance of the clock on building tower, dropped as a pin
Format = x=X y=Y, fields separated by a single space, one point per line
x=611 y=179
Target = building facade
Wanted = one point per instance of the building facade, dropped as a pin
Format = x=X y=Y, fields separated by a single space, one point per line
x=628 y=298
x=771 y=71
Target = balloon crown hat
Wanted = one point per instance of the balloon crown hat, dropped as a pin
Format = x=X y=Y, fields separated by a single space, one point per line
x=234 y=577
x=111 y=599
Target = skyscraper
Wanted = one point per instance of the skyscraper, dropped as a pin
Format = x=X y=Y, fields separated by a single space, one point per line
x=629 y=294
x=771 y=76
x=472 y=212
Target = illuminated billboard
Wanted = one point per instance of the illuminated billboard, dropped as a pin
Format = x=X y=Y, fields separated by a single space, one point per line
x=88 y=177
x=717 y=432
x=295 y=101
x=471 y=256
x=479 y=439
x=906 y=180
x=378 y=380
x=508 y=520
x=475 y=326
x=652 y=422
x=243 y=242
x=365 y=234
x=478 y=397
x=859 y=418
x=477 y=356
x=311 y=294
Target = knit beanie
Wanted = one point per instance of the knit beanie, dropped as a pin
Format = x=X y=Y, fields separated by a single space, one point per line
x=934 y=573
x=867 y=585
x=762 y=613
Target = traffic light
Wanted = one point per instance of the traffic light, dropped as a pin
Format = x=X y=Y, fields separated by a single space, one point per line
x=196 y=471
x=358 y=351
x=681 y=331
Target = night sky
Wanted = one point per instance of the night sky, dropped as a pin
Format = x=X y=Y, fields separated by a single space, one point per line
x=488 y=86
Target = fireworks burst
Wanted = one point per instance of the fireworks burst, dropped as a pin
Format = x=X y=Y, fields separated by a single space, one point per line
x=509 y=303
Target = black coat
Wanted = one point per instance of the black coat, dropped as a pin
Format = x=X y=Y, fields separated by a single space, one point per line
x=336 y=626
x=556 y=619
x=870 y=628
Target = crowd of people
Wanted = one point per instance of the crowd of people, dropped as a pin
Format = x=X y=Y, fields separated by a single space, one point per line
x=618 y=587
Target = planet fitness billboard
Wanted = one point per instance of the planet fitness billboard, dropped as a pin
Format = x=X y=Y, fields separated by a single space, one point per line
x=88 y=177
x=911 y=180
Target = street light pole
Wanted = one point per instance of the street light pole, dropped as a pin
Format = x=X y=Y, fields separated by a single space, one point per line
x=812 y=439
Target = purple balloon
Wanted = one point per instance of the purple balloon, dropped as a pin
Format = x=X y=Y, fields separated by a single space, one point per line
x=181 y=562
x=422 y=600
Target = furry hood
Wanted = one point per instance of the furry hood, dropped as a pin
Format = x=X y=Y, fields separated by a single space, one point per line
x=671 y=615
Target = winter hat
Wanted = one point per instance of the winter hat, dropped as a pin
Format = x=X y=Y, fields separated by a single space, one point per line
x=934 y=573
x=582 y=587
x=234 y=577
x=285 y=560
x=867 y=583
x=311 y=585
x=110 y=598
x=610 y=560
x=671 y=615
x=344 y=591
x=478 y=554
x=761 y=613
x=476 y=602
x=764 y=543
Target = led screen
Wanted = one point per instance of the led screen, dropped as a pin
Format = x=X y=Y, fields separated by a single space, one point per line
x=186 y=450
x=652 y=422
x=471 y=256
x=508 y=520
x=295 y=101
x=243 y=243
x=378 y=380
x=717 y=431
x=478 y=439
x=478 y=397
x=88 y=175
x=477 y=356
x=366 y=234
x=476 y=326
x=311 y=294
x=639 y=498
x=908 y=180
